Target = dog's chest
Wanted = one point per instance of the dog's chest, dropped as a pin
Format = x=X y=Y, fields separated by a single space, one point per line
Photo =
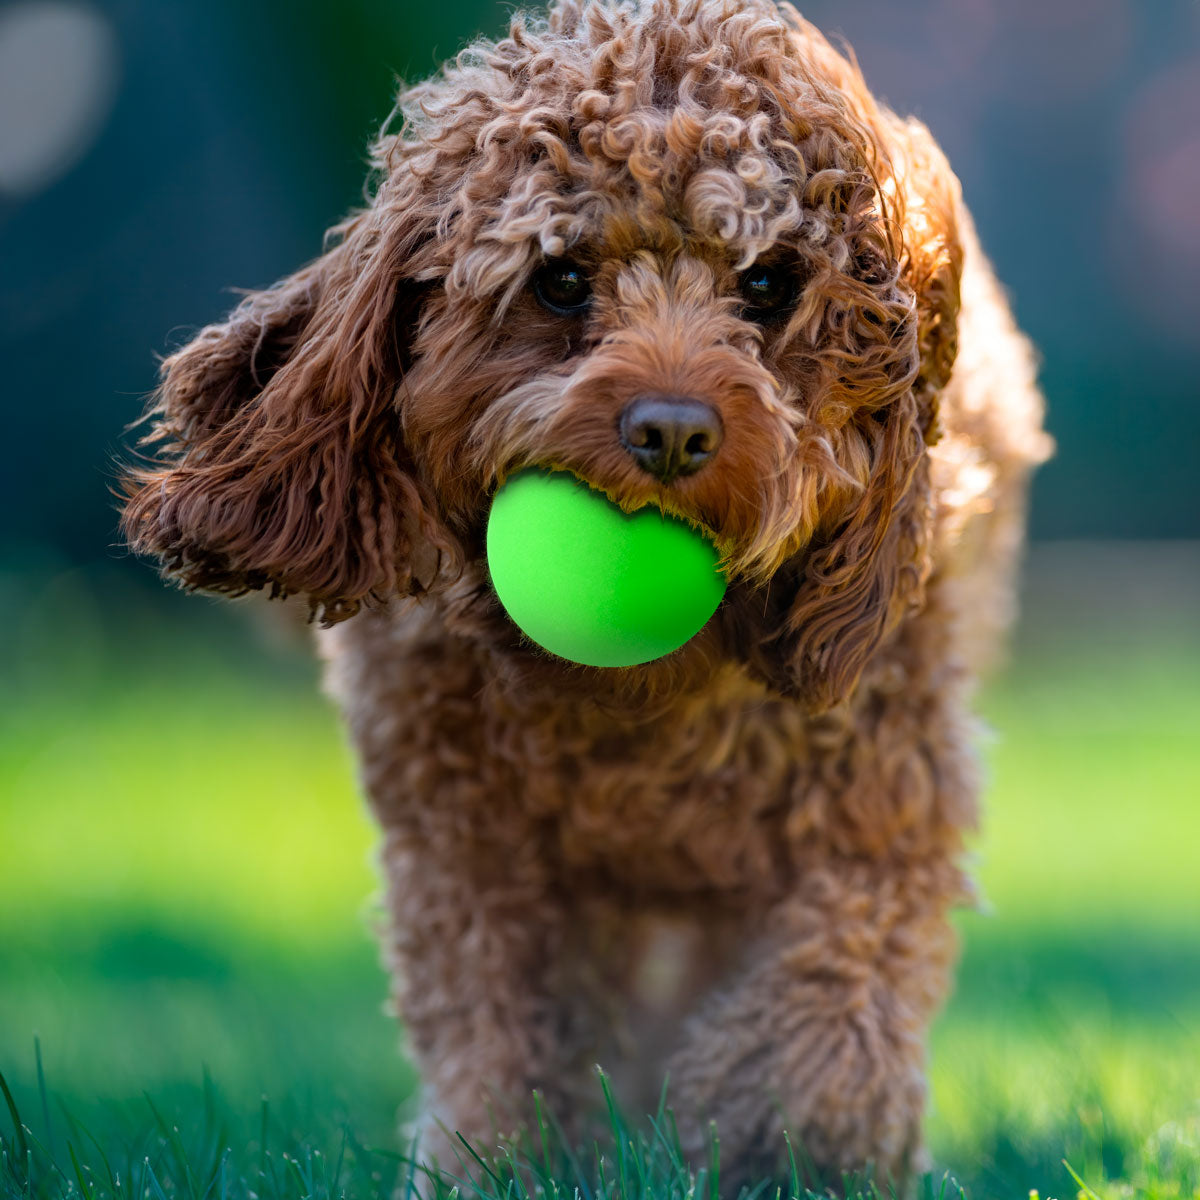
x=696 y=798
x=680 y=810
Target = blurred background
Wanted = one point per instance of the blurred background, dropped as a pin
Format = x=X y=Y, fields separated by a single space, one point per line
x=184 y=864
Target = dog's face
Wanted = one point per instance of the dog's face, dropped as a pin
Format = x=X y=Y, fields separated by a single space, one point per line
x=679 y=252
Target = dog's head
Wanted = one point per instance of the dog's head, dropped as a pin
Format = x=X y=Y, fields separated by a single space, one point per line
x=674 y=248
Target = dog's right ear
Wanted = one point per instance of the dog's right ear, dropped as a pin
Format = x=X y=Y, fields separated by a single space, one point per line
x=279 y=460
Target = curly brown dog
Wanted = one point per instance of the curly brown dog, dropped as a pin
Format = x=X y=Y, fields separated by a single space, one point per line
x=733 y=865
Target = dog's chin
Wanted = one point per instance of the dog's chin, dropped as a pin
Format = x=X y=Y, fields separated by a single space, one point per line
x=635 y=692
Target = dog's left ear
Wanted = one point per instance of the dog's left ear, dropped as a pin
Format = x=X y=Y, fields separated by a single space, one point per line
x=854 y=588
x=280 y=462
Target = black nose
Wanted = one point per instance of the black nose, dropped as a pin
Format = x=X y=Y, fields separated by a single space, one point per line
x=670 y=435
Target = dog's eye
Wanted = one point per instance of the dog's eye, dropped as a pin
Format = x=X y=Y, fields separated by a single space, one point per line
x=766 y=290
x=563 y=288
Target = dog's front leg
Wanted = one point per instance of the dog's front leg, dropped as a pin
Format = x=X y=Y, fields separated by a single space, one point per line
x=823 y=1033
x=472 y=942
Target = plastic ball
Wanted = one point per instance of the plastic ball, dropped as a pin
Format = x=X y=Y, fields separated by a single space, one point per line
x=591 y=583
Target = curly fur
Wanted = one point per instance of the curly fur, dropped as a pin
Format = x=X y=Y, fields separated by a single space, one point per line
x=733 y=864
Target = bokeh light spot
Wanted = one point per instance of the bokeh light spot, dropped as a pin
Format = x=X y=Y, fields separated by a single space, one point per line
x=59 y=67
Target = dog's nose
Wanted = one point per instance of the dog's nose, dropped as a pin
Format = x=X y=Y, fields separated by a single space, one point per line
x=670 y=435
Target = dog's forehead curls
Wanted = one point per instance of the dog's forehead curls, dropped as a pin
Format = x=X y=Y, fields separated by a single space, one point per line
x=664 y=153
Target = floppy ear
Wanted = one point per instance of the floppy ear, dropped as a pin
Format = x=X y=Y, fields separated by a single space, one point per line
x=279 y=458
x=851 y=590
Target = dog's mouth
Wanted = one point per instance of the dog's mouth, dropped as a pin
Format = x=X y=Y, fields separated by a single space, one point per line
x=668 y=498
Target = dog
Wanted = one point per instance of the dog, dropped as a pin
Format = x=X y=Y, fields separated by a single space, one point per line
x=731 y=867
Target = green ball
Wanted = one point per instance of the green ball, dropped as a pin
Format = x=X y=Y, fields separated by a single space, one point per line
x=591 y=583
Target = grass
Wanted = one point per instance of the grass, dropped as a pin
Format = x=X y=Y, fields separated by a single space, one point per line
x=156 y=950
x=635 y=1162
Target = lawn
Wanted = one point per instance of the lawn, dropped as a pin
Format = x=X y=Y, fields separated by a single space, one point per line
x=186 y=883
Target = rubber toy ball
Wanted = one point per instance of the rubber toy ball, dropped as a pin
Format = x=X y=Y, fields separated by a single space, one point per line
x=591 y=583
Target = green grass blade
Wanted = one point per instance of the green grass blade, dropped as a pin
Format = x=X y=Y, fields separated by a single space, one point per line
x=540 y=1122
x=171 y=1135
x=714 y=1162
x=18 y=1128
x=88 y=1189
x=620 y=1133
x=581 y=1185
x=1083 y=1187
x=80 y=1128
x=262 y=1134
x=158 y=1191
x=472 y=1152
x=47 y=1128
